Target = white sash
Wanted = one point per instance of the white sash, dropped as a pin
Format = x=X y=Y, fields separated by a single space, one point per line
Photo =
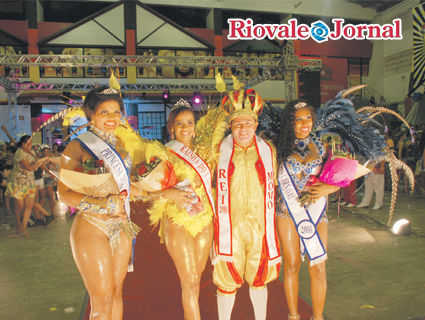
x=112 y=159
x=197 y=164
x=305 y=220
x=223 y=239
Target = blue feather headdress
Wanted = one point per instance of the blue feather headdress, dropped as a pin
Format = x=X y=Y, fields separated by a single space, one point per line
x=338 y=121
x=269 y=121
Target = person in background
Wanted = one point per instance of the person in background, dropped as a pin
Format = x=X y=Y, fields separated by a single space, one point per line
x=374 y=181
x=390 y=141
x=5 y=169
x=21 y=183
x=401 y=151
x=49 y=178
x=391 y=147
x=55 y=152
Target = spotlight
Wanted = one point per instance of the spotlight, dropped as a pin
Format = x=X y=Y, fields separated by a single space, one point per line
x=402 y=228
x=166 y=96
x=191 y=71
x=176 y=71
x=260 y=72
x=121 y=71
x=247 y=72
x=234 y=71
x=7 y=71
x=103 y=70
x=90 y=71
x=58 y=72
x=24 y=71
x=141 y=69
x=197 y=98
x=42 y=71
x=144 y=95
x=220 y=70
x=74 y=71
x=159 y=71
x=206 y=71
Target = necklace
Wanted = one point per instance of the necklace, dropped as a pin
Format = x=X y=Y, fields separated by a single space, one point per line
x=301 y=147
x=108 y=137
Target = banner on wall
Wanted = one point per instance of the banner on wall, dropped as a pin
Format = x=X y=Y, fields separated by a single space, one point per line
x=333 y=77
x=418 y=73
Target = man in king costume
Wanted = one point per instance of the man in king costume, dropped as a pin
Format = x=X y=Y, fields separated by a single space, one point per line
x=246 y=246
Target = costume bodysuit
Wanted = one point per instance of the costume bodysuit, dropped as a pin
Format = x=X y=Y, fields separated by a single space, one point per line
x=250 y=260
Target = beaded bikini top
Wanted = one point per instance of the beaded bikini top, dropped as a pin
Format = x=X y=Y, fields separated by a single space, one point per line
x=111 y=140
x=306 y=169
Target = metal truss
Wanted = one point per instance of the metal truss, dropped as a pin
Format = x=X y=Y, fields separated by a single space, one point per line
x=152 y=61
x=124 y=87
x=138 y=61
x=12 y=99
x=268 y=68
x=264 y=75
x=8 y=84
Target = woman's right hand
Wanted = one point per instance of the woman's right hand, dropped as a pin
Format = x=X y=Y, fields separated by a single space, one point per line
x=181 y=197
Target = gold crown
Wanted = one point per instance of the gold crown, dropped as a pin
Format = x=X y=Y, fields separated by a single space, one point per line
x=242 y=103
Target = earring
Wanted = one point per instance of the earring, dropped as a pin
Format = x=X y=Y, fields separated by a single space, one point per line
x=172 y=134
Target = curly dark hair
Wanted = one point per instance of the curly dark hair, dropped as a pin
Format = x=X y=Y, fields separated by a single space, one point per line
x=94 y=99
x=286 y=135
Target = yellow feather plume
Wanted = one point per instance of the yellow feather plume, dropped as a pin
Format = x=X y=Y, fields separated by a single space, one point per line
x=71 y=116
x=236 y=84
x=140 y=149
x=113 y=82
x=219 y=83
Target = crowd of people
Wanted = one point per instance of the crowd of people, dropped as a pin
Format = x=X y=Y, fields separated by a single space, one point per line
x=28 y=173
x=409 y=147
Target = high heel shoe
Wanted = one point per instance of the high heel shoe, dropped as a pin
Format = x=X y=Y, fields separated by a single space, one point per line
x=293 y=318
x=313 y=318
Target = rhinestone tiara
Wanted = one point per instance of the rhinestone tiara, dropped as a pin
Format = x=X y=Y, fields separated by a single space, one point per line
x=181 y=103
x=109 y=91
x=300 y=105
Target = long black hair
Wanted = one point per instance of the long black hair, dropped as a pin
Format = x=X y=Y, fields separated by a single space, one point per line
x=286 y=135
x=95 y=98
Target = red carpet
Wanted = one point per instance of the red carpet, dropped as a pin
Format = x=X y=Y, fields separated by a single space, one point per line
x=153 y=290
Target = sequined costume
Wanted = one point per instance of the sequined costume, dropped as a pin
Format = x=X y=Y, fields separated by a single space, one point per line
x=112 y=226
x=300 y=173
x=192 y=224
x=247 y=227
x=21 y=182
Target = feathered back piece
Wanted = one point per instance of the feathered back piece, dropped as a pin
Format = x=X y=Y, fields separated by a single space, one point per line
x=73 y=111
x=339 y=120
x=269 y=121
x=209 y=132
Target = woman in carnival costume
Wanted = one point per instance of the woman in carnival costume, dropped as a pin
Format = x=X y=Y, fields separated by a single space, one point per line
x=186 y=217
x=102 y=233
x=300 y=154
x=21 y=183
